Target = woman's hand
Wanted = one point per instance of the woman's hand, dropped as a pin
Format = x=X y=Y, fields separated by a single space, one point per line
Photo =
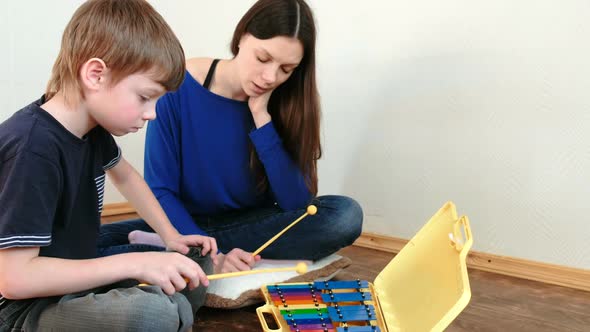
x=259 y=108
x=236 y=260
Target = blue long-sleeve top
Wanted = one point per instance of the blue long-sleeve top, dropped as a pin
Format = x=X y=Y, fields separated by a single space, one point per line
x=197 y=158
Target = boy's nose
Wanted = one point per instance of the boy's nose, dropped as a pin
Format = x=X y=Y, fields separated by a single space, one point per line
x=150 y=115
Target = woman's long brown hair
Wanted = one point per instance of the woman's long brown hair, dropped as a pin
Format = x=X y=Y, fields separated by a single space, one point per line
x=294 y=106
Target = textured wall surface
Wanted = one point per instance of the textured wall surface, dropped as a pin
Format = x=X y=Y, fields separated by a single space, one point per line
x=482 y=103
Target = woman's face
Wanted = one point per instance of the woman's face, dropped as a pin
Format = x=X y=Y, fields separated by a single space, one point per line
x=264 y=64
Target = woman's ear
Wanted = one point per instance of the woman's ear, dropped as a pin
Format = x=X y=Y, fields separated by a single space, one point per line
x=244 y=37
x=93 y=74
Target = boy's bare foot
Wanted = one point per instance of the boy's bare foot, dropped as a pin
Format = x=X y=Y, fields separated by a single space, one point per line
x=141 y=237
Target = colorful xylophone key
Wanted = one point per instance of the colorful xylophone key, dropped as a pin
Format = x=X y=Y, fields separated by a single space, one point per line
x=326 y=306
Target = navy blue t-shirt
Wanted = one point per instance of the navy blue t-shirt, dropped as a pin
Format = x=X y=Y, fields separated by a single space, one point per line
x=52 y=184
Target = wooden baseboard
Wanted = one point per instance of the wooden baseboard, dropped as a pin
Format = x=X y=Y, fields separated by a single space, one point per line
x=515 y=267
x=115 y=209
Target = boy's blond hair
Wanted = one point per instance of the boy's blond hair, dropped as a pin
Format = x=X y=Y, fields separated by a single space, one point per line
x=128 y=35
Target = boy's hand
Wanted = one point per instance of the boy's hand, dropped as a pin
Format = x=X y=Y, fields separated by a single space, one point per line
x=170 y=271
x=236 y=260
x=183 y=242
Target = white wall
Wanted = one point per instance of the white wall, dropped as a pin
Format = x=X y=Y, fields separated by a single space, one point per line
x=482 y=103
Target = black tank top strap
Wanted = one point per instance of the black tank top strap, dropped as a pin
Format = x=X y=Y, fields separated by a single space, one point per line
x=210 y=74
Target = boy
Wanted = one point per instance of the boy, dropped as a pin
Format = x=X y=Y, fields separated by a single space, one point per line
x=117 y=58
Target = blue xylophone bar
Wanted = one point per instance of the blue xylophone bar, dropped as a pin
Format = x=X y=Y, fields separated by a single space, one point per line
x=359 y=329
x=308 y=321
x=346 y=297
x=357 y=307
x=341 y=284
x=359 y=313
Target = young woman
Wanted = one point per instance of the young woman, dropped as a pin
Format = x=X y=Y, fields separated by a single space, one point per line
x=233 y=153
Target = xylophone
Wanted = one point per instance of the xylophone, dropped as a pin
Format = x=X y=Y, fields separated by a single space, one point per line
x=423 y=288
x=323 y=306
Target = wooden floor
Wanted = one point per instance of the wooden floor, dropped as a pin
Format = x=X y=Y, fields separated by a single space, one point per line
x=498 y=303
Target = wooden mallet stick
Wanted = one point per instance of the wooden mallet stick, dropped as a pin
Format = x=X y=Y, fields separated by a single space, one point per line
x=300 y=268
x=311 y=210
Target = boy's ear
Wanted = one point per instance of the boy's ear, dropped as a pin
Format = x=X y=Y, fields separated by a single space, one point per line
x=93 y=74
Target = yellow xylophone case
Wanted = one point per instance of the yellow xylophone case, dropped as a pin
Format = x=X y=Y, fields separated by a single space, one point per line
x=423 y=288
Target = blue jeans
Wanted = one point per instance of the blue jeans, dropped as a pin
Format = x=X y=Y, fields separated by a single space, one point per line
x=117 y=307
x=102 y=309
x=337 y=224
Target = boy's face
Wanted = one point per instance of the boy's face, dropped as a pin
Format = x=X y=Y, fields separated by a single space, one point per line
x=126 y=106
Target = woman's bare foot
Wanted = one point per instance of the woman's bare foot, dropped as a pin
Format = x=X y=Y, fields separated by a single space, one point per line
x=141 y=237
